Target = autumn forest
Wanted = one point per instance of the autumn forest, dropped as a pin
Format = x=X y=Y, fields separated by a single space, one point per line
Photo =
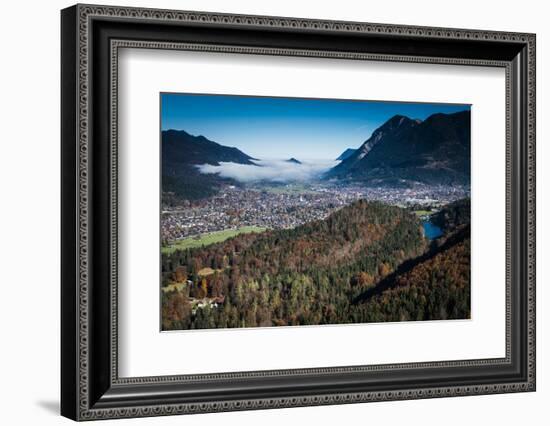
x=367 y=262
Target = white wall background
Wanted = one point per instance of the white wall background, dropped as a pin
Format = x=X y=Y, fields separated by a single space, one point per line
x=29 y=213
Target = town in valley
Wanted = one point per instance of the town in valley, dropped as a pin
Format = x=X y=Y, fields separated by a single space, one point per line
x=289 y=205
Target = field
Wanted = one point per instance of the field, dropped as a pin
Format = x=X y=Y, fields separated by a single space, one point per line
x=207 y=239
x=421 y=213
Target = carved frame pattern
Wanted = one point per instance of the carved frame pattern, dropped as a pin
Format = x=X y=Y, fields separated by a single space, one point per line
x=85 y=13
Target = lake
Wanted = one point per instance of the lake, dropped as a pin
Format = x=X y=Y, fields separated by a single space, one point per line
x=431 y=231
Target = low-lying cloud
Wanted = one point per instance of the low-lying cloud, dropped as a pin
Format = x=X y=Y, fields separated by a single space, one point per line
x=280 y=171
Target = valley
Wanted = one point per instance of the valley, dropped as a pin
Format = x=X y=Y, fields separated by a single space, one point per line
x=378 y=233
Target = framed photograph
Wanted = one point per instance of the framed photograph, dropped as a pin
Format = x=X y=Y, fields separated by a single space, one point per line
x=263 y=212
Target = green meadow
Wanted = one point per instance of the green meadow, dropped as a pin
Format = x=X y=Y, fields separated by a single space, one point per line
x=207 y=239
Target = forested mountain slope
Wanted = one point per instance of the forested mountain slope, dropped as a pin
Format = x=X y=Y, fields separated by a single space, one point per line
x=305 y=275
x=367 y=262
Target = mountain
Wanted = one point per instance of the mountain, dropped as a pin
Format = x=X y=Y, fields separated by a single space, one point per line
x=179 y=147
x=181 y=153
x=293 y=160
x=346 y=154
x=433 y=151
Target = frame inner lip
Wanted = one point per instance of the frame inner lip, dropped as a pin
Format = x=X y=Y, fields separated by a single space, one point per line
x=116 y=44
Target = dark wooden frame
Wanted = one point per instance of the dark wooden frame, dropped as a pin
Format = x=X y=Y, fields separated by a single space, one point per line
x=90 y=386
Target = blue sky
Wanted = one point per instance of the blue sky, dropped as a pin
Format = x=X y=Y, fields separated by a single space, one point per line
x=271 y=128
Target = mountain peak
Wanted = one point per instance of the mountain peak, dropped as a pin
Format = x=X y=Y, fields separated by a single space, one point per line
x=395 y=125
x=180 y=147
x=293 y=160
x=397 y=121
x=175 y=132
x=438 y=116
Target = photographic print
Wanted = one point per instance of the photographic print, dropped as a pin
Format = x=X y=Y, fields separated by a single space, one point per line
x=297 y=212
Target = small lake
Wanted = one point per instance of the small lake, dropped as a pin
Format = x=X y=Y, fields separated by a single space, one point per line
x=431 y=231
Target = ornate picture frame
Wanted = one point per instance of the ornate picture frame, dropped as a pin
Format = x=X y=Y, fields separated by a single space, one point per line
x=91 y=37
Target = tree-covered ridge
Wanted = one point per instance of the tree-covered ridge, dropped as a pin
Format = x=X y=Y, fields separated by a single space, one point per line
x=453 y=215
x=306 y=275
x=437 y=288
x=434 y=286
